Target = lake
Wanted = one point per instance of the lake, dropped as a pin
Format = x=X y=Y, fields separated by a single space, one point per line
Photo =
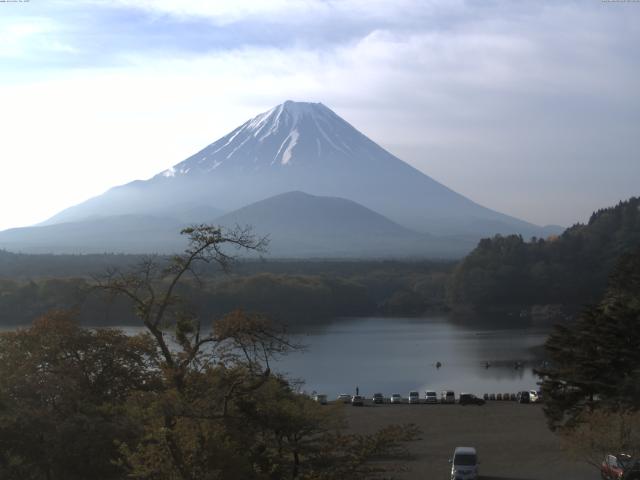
x=396 y=355
x=392 y=355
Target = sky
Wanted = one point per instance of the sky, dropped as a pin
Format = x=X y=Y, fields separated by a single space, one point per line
x=531 y=108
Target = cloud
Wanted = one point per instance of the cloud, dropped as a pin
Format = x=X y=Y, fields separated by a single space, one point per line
x=518 y=106
x=224 y=12
x=21 y=36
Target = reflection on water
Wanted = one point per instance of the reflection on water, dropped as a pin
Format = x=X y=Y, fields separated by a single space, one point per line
x=400 y=354
x=392 y=355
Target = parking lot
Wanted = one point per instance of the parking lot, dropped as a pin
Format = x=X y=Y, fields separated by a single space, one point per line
x=512 y=439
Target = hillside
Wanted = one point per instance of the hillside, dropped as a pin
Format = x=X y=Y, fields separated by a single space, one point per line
x=298 y=226
x=134 y=234
x=302 y=225
x=568 y=269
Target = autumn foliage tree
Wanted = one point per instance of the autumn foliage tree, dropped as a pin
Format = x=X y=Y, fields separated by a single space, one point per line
x=63 y=398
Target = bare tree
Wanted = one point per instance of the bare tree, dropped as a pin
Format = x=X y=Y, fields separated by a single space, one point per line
x=239 y=345
x=151 y=288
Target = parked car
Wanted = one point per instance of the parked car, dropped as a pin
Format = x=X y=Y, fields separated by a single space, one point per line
x=492 y=396
x=513 y=397
x=357 y=401
x=533 y=396
x=523 y=397
x=396 y=398
x=321 y=398
x=499 y=396
x=430 y=397
x=447 y=396
x=506 y=396
x=378 y=398
x=613 y=466
x=470 y=399
x=464 y=464
x=485 y=397
x=344 y=398
x=414 y=397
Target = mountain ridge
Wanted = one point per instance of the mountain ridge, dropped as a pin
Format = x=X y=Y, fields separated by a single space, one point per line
x=300 y=146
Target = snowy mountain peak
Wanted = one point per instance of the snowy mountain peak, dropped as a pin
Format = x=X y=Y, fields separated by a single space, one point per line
x=290 y=133
x=295 y=111
x=287 y=115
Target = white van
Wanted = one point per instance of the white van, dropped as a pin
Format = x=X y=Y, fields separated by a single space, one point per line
x=447 y=396
x=464 y=464
x=533 y=396
x=430 y=397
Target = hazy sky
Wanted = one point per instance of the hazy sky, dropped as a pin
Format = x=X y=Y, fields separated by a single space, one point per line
x=529 y=108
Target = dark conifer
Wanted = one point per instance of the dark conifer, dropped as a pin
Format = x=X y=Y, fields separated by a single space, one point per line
x=595 y=363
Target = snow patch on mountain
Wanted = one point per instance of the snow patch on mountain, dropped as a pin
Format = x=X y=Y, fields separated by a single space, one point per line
x=215 y=165
x=291 y=142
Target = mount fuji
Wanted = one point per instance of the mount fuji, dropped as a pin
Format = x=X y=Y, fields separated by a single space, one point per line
x=294 y=147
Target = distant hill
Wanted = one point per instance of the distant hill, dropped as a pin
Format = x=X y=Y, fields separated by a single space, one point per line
x=297 y=224
x=113 y=234
x=303 y=225
x=568 y=269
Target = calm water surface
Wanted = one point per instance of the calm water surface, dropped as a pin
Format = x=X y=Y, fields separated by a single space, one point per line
x=391 y=355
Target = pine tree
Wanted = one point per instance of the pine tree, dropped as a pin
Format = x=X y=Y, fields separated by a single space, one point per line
x=595 y=363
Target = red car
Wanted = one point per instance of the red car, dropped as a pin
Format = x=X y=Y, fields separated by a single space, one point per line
x=613 y=466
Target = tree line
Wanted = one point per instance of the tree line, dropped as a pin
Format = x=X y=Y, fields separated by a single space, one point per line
x=293 y=298
x=569 y=269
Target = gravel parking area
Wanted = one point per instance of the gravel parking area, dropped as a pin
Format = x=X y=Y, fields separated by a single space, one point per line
x=512 y=440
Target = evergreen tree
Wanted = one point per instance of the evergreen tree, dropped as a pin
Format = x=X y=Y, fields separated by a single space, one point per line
x=595 y=363
x=571 y=269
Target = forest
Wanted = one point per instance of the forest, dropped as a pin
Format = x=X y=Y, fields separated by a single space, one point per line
x=502 y=273
x=570 y=269
x=293 y=292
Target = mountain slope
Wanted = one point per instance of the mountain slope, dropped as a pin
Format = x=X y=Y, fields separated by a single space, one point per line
x=302 y=225
x=306 y=147
x=113 y=234
x=297 y=224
